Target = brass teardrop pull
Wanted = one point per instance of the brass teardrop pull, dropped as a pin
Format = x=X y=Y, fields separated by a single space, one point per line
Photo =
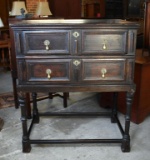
x=47 y=43
x=104 y=46
x=103 y=71
x=48 y=72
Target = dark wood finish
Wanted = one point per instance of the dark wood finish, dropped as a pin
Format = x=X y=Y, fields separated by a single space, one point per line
x=141 y=103
x=5 y=48
x=82 y=56
x=115 y=8
x=1 y=123
x=94 y=10
x=66 y=8
x=147 y=27
x=5 y=8
x=13 y=67
x=5 y=54
x=4 y=13
x=32 y=48
x=135 y=9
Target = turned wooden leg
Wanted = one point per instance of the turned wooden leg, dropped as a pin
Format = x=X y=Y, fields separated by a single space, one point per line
x=28 y=106
x=15 y=92
x=114 y=108
x=35 y=109
x=65 y=98
x=126 y=137
x=1 y=123
x=26 y=147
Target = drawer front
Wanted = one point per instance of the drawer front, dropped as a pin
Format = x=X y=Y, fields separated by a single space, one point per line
x=48 y=71
x=107 y=42
x=104 y=70
x=46 y=42
x=86 y=71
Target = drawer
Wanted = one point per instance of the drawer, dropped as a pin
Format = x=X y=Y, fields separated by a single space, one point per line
x=46 y=42
x=60 y=71
x=48 y=71
x=107 y=42
x=104 y=70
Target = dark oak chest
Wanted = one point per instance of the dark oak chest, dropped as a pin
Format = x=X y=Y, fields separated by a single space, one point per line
x=75 y=56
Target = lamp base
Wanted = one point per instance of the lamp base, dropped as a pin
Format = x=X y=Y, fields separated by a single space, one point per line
x=24 y=16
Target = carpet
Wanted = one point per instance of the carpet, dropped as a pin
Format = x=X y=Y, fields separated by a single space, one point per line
x=6 y=100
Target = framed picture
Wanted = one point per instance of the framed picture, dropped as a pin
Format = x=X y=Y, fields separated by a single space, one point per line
x=136 y=8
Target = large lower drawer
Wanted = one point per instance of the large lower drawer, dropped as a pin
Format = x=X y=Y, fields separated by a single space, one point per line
x=75 y=71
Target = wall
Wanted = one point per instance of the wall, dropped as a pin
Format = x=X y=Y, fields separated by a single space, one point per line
x=32 y=4
x=90 y=1
x=102 y=7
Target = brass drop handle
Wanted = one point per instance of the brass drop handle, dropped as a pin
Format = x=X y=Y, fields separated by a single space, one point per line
x=103 y=71
x=47 y=43
x=48 y=72
x=104 y=46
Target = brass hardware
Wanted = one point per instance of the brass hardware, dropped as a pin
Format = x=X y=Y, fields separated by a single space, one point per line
x=48 y=72
x=103 y=71
x=76 y=46
x=76 y=62
x=76 y=34
x=47 y=43
x=104 y=46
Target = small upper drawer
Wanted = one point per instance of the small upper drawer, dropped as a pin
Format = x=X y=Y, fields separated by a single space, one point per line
x=103 y=41
x=46 y=42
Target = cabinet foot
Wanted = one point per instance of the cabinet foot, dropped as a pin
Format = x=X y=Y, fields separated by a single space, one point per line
x=113 y=119
x=125 y=146
x=36 y=119
x=26 y=147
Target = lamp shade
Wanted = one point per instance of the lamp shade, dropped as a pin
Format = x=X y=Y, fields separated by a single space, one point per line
x=43 y=9
x=1 y=23
x=16 y=7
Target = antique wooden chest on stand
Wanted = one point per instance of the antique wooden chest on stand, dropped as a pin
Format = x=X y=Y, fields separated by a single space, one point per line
x=74 y=56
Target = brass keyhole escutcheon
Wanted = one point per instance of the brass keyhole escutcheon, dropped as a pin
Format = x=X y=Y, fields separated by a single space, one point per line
x=76 y=34
x=76 y=62
x=103 y=72
x=47 y=43
x=48 y=72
